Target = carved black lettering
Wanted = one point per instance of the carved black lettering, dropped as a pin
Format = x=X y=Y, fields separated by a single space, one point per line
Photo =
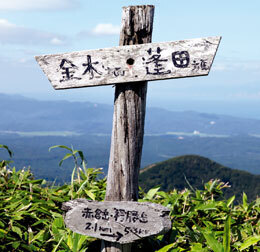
x=105 y=215
x=196 y=65
x=127 y=219
x=90 y=68
x=143 y=218
x=202 y=64
x=181 y=59
x=127 y=230
x=132 y=216
x=88 y=226
x=98 y=213
x=156 y=61
x=118 y=235
x=120 y=215
x=69 y=70
x=117 y=71
x=87 y=213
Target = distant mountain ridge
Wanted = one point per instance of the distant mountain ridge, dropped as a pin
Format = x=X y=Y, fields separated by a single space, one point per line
x=29 y=127
x=24 y=114
x=197 y=170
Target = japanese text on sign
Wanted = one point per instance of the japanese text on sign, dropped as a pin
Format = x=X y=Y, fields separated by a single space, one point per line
x=120 y=222
x=146 y=62
x=154 y=64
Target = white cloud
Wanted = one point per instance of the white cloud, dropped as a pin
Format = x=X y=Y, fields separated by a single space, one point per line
x=106 y=29
x=5 y=24
x=219 y=67
x=22 y=60
x=14 y=34
x=18 y=5
x=56 y=41
x=237 y=65
x=246 y=95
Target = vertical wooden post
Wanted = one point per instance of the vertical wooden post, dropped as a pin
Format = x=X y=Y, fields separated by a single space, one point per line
x=128 y=119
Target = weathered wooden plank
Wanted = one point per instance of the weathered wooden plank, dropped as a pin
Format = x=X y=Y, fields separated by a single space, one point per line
x=115 y=221
x=128 y=119
x=132 y=63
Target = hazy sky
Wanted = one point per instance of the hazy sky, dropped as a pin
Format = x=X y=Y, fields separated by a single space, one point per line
x=35 y=27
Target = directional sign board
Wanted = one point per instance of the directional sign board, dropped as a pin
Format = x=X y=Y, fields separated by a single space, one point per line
x=123 y=64
x=122 y=222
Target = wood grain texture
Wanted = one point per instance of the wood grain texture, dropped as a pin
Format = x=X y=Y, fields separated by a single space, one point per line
x=128 y=120
x=129 y=114
x=116 y=221
x=133 y=63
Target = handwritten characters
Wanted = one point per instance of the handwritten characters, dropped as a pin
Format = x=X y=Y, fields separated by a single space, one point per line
x=197 y=65
x=68 y=70
x=122 y=215
x=116 y=71
x=109 y=232
x=181 y=59
x=153 y=63
x=98 y=214
x=119 y=215
x=122 y=221
x=90 y=69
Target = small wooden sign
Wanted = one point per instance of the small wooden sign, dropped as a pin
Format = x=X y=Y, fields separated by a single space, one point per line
x=114 y=221
x=123 y=64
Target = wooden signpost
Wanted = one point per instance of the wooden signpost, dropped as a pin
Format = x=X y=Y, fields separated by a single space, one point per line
x=123 y=64
x=119 y=221
x=116 y=221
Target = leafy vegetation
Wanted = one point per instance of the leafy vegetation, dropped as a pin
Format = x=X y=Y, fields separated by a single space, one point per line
x=193 y=171
x=31 y=216
x=30 y=212
x=200 y=222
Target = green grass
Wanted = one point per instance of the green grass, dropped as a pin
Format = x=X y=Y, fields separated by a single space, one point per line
x=202 y=221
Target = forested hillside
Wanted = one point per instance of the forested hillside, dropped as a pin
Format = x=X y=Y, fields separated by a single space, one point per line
x=193 y=171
